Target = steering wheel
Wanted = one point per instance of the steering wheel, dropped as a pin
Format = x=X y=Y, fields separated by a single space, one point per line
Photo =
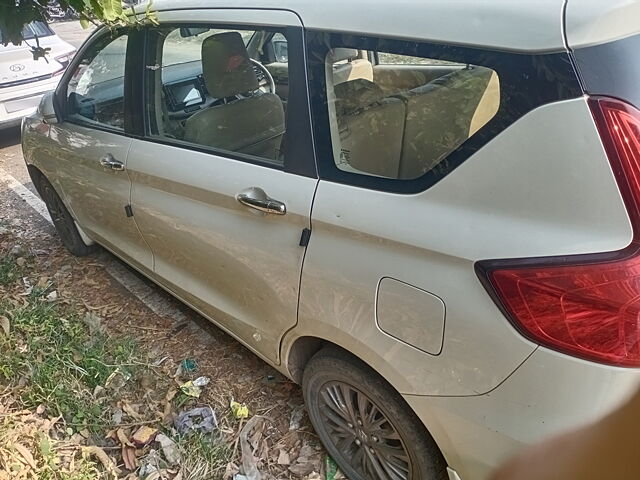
x=266 y=84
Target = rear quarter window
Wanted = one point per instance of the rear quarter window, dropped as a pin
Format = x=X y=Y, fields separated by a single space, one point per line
x=398 y=116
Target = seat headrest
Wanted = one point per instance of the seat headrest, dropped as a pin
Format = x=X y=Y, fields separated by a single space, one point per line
x=356 y=94
x=339 y=54
x=226 y=68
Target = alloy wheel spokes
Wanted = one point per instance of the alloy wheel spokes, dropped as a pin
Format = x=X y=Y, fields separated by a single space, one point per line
x=363 y=434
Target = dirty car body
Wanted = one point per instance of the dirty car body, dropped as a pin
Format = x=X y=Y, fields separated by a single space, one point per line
x=428 y=220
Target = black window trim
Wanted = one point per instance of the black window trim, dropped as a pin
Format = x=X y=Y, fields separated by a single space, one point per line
x=527 y=81
x=298 y=143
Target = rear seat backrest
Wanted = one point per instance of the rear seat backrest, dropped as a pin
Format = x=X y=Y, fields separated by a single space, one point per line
x=354 y=68
x=443 y=114
x=371 y=129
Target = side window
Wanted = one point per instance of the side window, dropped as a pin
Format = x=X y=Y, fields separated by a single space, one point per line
x=395 y=59
x=95 y=93
x=401 y=117
x=223 y=89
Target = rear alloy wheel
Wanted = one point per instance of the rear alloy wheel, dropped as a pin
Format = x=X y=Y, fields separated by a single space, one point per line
x=63 y=221
x=365 y=425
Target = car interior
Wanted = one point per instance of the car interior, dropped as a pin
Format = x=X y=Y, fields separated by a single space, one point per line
x=391 y=116
x=391 y=120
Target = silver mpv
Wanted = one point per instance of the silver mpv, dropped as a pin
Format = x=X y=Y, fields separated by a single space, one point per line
x=428 y=214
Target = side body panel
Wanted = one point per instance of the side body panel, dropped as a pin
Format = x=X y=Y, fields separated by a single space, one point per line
x=70 y=158
x=550 y=394
x=542 y=187
x=238 y=267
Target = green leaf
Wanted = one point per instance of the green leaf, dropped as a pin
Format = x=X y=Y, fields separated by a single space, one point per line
x=112 y=9
x=45 y=445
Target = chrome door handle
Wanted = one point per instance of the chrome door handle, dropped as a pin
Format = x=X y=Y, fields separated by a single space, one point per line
x=257 y=199
x=108 y=161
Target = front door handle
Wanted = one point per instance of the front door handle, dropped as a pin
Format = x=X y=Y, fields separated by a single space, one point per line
x=108 y=161
x=257 y=199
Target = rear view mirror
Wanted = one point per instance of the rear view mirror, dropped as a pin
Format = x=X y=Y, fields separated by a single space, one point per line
x=186 y=32
x=46 y=108
x=281 y=50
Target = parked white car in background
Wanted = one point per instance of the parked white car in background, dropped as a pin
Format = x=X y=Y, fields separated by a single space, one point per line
x=23 y=80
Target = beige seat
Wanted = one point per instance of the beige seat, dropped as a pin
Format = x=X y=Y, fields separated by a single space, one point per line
x=370 y=128
x=443 y=114
x=254 y=124
x=347 y=66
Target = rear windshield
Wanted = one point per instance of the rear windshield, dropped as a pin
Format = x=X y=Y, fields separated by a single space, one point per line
x=34 y=29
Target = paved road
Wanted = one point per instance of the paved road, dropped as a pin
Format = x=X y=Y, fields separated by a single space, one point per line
x=72 y=32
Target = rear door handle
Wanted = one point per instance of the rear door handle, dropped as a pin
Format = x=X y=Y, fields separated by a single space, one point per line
x=108 y=161
x=257 y=199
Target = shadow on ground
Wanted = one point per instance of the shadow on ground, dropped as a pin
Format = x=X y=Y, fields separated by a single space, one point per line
x=9 y=137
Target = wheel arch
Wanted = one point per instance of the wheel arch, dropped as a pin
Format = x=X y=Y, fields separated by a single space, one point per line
x=304 y=348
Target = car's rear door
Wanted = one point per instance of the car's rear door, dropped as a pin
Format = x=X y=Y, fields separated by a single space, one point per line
x=233 y=262
x=89 y=147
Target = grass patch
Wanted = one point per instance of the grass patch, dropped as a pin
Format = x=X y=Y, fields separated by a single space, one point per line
x=9 y=270
x=56 y=361
x=204 y=457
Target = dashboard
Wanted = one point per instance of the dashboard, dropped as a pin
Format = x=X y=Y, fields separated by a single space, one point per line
x=186 y=94
x=185 y=90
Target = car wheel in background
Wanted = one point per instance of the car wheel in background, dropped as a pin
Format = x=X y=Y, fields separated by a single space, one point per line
x=365 y=425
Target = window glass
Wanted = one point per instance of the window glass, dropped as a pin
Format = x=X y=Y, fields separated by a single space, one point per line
x=206 y=89
x=395 y=59
x=95 y=93
x=402 y=118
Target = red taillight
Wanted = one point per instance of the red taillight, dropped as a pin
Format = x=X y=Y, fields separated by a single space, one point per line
x=587 y=306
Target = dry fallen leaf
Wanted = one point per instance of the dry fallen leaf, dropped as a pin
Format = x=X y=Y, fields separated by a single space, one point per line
x=283 y=458
x=106 y=461
x=5 y=324
x=26 y=454
x=144 y=435
x=129 y=457
x=123 y=438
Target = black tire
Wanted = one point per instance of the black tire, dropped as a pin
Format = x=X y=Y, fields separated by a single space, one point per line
x=337 y=389
x=62 y=220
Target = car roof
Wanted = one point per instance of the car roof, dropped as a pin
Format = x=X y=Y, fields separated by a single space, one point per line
x=520 y=25
x=514 y=25
x=594 y=22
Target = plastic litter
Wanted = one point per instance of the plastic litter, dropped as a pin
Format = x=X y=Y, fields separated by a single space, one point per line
x=189 y=365
x=150 y=464
x=193 y=388
x=169 y=448
x=296 y=418
x=249 y=465
x=332 y=470
x=117 y=379
x=200 y=419
x=239 y=410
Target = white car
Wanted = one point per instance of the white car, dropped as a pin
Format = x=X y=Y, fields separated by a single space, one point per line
x=426 y=212
x=24 y=80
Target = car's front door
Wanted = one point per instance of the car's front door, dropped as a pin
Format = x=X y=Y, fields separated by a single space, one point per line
x=223 y=182
x=91 y=147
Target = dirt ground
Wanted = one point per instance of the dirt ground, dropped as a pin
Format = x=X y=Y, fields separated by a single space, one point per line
x=283 y=443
